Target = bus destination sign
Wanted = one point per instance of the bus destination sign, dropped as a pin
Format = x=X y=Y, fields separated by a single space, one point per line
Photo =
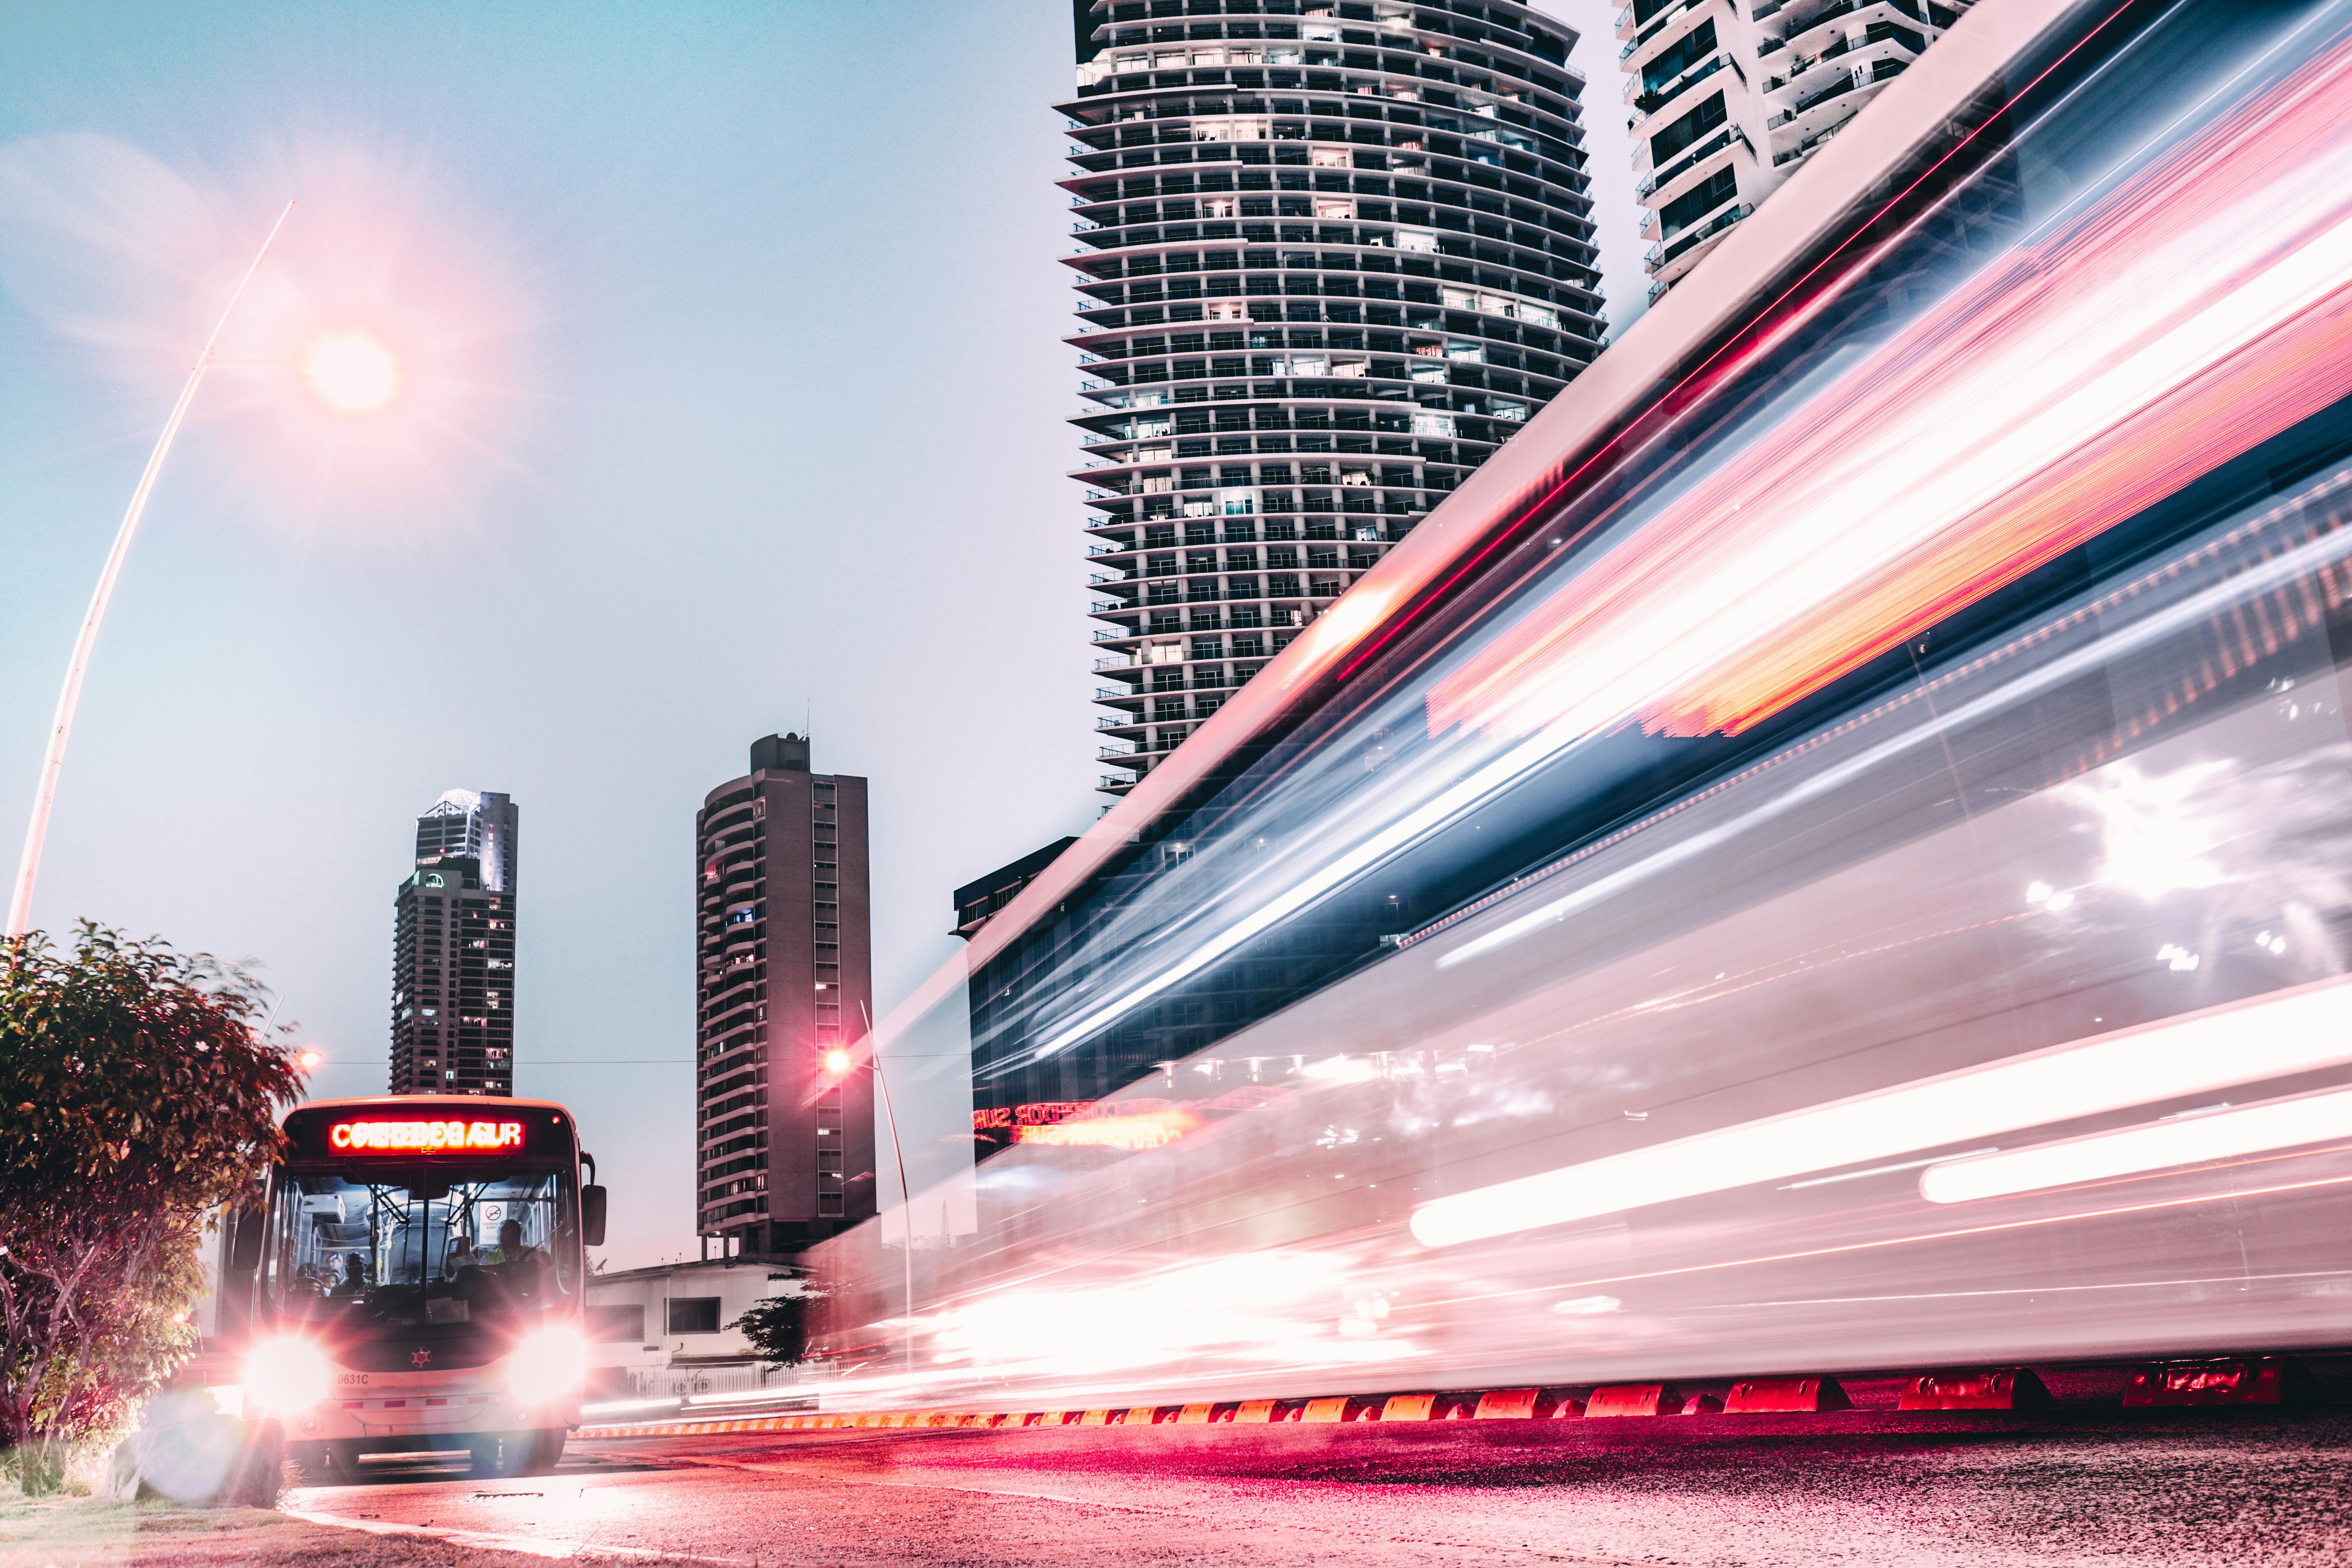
x=436 y=1129
x=370 y=1137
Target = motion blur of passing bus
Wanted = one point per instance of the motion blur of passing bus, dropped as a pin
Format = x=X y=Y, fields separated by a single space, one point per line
x=416 y=1285
x=1830 y=851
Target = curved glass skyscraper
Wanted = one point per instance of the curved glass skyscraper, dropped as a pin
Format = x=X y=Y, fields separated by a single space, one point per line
x=1333 y=255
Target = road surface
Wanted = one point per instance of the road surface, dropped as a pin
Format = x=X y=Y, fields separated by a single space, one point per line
x=2241 y=1486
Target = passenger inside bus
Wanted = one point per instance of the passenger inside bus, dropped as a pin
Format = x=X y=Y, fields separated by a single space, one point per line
x=399 y=1252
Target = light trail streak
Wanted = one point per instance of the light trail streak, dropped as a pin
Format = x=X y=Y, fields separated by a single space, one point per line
x=2286 y=567
x=2236 y=1195
x=2201 y=1139
x=1807 y=919
x=2299 y=1031
x=1879 y=1171
x=2192 y=312
x=2160 y=293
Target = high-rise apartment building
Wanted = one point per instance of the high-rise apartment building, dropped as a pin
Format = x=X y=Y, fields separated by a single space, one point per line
x=453 y=964
x=784 y=1119
x=1331 y=255
x=1731 y=97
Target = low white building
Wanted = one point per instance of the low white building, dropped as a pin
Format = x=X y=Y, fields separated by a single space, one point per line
x=667 y=1332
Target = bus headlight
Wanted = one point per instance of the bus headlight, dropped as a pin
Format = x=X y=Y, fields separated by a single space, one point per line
x=287 y=1373
x=548 y=1364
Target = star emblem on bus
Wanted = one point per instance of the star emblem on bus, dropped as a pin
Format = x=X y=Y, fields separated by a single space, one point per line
x=421 y=1357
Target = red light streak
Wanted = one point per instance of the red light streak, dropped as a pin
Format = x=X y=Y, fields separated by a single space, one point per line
x=1719 y=365
x=1919 y=492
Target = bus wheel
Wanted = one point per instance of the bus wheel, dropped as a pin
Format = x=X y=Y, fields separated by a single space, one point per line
x=325 y=1464
x=546 y=1449
x=500 y=1453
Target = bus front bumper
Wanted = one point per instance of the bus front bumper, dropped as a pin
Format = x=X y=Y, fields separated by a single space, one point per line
x=389 y=1414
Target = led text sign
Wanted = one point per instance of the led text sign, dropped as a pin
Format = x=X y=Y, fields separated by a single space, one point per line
x=423 y=1137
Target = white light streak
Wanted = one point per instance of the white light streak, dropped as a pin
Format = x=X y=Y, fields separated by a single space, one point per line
x=1878 y=1170
x=2287 y=1032
x=2228 y=1135
x=2276 y=572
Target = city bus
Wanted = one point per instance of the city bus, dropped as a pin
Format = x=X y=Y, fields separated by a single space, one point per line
x=416 y=1283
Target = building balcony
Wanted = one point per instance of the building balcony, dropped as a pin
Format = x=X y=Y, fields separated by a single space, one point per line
x=1866 y=76
x=1839 y=87
x=1658 y=181
x=1662 y=257
x=1649 y=101
x=1626 y=26
x=1789 y=155
x=1792 y=83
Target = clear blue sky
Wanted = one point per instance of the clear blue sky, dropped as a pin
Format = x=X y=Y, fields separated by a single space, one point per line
x=766 y=418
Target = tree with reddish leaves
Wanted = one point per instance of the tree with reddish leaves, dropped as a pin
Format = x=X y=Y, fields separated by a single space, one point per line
x=138 y=1094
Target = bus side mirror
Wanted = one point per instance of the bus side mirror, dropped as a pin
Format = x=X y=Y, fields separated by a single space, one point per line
x=591 y=1215
x=244 y=1242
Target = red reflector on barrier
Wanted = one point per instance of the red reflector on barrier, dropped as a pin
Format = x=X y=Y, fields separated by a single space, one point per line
x=2271 y=1380
x=1409 y=1407
x=2016 y=1389
x=1702 y=1404
x=1634 y=1399
x=1256 y=1411
x=1506 y=1404
x=1770 y=1395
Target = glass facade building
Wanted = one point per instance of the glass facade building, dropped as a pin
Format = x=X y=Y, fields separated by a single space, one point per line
x=1331 y=255
x=453 y=965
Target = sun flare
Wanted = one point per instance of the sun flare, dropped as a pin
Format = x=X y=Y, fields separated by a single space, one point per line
x=350 y=371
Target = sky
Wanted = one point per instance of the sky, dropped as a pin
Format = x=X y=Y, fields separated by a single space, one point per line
x=733 y=401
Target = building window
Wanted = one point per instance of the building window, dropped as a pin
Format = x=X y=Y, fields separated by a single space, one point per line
x=694 y=1315
x=1694 y=205
x=617 y=1325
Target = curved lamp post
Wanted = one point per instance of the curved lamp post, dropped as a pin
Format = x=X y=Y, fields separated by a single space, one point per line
x=53 y=761
x=837 y=1062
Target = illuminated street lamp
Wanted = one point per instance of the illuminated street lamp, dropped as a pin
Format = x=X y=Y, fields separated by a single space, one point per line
x=352 y=372
x=837 y=1064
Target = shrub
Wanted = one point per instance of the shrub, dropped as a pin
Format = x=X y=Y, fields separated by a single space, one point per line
x=137 y=1094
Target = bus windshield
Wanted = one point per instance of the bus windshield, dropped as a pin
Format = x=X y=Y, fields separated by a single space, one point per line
x=443 y=1244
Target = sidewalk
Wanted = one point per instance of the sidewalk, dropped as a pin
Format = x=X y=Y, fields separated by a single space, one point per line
x=84 y=1532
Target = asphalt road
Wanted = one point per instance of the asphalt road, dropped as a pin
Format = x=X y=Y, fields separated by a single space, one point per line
x=2240 y=1486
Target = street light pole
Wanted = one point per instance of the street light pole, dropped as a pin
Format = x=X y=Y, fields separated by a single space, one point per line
x=906 y=1204
x=53 y=761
